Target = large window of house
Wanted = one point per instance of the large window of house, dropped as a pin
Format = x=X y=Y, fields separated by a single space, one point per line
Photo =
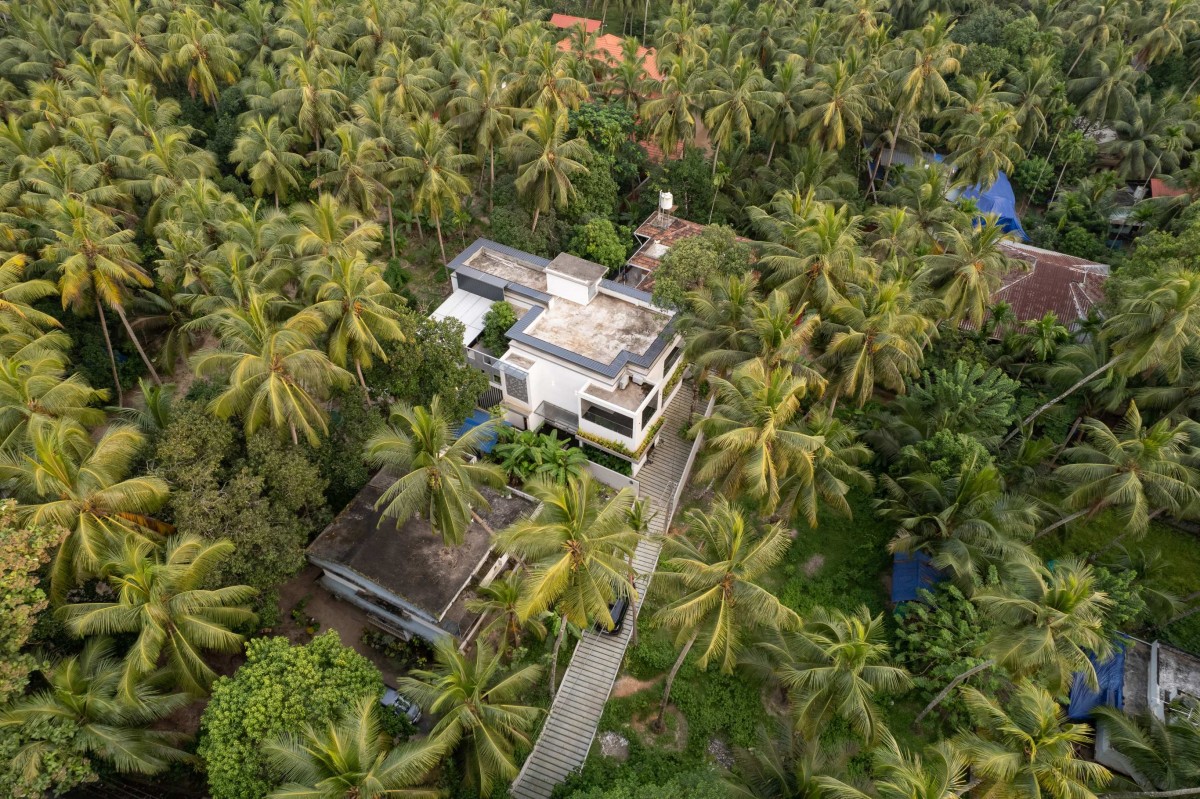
x=649 y=410
x=672 y=357
x=610 y=420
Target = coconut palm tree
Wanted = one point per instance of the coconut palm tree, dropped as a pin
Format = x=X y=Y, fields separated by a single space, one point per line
x=578 y=548
x=433 y=166
x=835 y=668
x=483 y=107
x=1137 y=471
x=675 y=101
x=501 y=600
x=774 y=331
x=780 y=765
x=717 y=315
x=1165 y=753
x=900 y=774
x=711 y=571
x=1097 y=23
x=839 y=100
x=985 y=145
x=812 y=249
x=1026 y=749
x=1109 y=90
x=438 y=476
x=546 y=160
x=481 y=718
x=159 y=600
x=361 y=309
x=876 y=338
x=740 y=97
x=107 y=723
x=1040 y=339
x=98 y=266
x=354 y=170
x=276 y=375
x=40 y=388
x=352 y=758
x=18 y=293
x=327 y=228
x=970 y=269
x=264 y=152
x=966 y=523
x=64 y=479
x=200 y=51
x=837 y=468
x=753 y=440
x=1153 y=328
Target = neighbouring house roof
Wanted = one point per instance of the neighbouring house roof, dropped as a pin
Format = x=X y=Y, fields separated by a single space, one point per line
x=1159 y=188
x=656 y=154
x=912 y=572
x=410 y=560
x=566 y=22
x=469 y=309
x=1067 y=285
x=657 y=235
x=618 y=326
x=610 y=48
x=1110 y=690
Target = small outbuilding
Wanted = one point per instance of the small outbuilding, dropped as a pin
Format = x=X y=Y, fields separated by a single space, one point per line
x=404 y=576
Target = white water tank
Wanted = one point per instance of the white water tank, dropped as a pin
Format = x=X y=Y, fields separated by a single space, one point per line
x=666 y=201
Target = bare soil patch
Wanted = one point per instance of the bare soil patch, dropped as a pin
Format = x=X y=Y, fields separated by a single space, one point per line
x=673 y=739
x=813 y=565
x=628 y=686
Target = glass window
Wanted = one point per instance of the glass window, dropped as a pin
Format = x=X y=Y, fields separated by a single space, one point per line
x=649 y=410
x=610 y=420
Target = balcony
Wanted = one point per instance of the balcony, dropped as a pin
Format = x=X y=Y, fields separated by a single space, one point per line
x=559 y=417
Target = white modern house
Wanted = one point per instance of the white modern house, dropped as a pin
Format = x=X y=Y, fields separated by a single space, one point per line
x=589 y=356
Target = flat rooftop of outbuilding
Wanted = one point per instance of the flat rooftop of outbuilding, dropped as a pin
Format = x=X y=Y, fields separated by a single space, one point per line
x=600 y=330
x=412 y=561
x=509 y=269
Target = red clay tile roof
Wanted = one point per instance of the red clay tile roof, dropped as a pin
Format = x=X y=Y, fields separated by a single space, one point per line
x=610 y=48
x=655 y=153
x=1054 y=281
x=1159 y=188
x=566 y=21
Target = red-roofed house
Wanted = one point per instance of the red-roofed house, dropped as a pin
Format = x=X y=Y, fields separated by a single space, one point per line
x=608 y=48
x=1159 y=188
x=1053 y=281
x=655 y=237
x=566 y=22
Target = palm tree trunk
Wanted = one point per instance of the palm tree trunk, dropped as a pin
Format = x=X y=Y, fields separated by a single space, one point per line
x=133 y=337
x=276 y=200
x=1041 y=174
x=892 y=154
x=492 y=176
x=966 y=675
x=437 y=221
x=1061 y=522
x=536 y=212
x=479 y=520
x=295 y=437
x=1191 y=86
x=1075 y=63
x=771 y=152
x=1058 y=183
x=361 y=380
x=392 y=227
x=645 y=22
x=112 y=359
x=1028 y=420
x=558 y=639
x=662 y=708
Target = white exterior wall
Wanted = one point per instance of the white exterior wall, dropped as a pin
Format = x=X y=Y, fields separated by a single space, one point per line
x=572 y=290
x=552 y=382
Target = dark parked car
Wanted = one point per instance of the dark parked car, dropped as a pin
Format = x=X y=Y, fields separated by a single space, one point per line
x=617 y=610
x=400 y=704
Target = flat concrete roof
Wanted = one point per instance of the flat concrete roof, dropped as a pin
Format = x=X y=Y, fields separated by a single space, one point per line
x=508 y=269
x=411 y=562
x=630 y=398
x=600 y=330
x=576 y=267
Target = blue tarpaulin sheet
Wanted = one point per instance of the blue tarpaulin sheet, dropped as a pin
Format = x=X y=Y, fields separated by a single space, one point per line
x=1111 y=692
x=910 y=573
x=999 y=200
x=474 y=420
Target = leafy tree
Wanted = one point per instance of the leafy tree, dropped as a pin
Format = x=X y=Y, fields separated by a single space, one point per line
x=501 y=600
x=711 y=574
x=53 y=738
x=24 y=550
x=435 y=475
x=600 y=242
x=279 y=689
x=496 y=323
x=546 y=160
x=158 y=599
x=699 y=261
x=430 y=363
x=482 y=719
x=1026 y=748
x=351 y=758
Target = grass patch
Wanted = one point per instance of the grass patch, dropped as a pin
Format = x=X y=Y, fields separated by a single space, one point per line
x=854 y=556
x=1180 y=563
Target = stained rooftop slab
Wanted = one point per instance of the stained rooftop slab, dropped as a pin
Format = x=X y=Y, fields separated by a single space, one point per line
x=600 y=330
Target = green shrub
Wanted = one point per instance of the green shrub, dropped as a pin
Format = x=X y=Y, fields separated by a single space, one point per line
x=496 y=323
x=279 y=689
x=601 y=242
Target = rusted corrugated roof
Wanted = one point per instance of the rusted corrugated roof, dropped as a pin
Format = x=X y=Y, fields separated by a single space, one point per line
x=1053 y=281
